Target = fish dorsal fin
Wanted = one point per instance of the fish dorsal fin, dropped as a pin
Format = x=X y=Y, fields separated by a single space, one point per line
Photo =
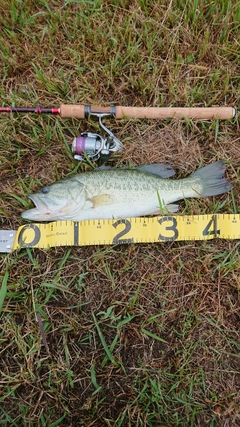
x=103 y=168
x=159 y=169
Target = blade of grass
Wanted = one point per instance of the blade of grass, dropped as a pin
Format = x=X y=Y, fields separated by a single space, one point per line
x=58 y=286
x=3 y=289
x=94 y=380
x=151 y=335
x=108 y=352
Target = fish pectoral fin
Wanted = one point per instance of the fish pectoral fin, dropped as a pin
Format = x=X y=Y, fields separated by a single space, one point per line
x=171 y=208
x=101 y=200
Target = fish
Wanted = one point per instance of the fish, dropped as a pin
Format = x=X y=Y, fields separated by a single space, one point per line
x=112 y=193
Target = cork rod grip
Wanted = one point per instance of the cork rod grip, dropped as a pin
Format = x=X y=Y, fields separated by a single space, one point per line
x=82 y=111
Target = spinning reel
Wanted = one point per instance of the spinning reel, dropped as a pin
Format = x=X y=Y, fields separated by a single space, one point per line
x=94 y=146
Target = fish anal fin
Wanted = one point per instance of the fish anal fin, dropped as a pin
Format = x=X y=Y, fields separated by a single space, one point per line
x=171 y=208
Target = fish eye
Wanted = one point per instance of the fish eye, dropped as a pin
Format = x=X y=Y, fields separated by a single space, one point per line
x=45 y=190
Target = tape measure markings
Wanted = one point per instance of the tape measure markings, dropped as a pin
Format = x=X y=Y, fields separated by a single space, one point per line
x=165 y=228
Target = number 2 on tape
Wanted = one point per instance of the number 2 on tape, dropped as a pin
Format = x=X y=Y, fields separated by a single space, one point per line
x=127 y=223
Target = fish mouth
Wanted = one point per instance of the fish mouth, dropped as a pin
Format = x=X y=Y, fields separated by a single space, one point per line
x=41 y=209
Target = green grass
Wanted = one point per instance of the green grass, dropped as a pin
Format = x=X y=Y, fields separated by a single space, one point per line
x=131 y=335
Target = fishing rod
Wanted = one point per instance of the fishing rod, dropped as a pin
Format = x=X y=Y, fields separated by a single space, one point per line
x=119 y=112
x=95 y=146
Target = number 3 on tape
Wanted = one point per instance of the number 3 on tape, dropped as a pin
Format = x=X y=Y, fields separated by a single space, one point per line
x=172 y=227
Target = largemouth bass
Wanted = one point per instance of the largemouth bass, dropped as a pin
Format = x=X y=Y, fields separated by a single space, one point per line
x=120 y=193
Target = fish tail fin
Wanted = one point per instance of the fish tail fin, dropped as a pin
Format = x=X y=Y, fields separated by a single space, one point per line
x=212 y=180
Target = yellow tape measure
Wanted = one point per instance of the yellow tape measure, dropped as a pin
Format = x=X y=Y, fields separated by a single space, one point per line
x=130 y=230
